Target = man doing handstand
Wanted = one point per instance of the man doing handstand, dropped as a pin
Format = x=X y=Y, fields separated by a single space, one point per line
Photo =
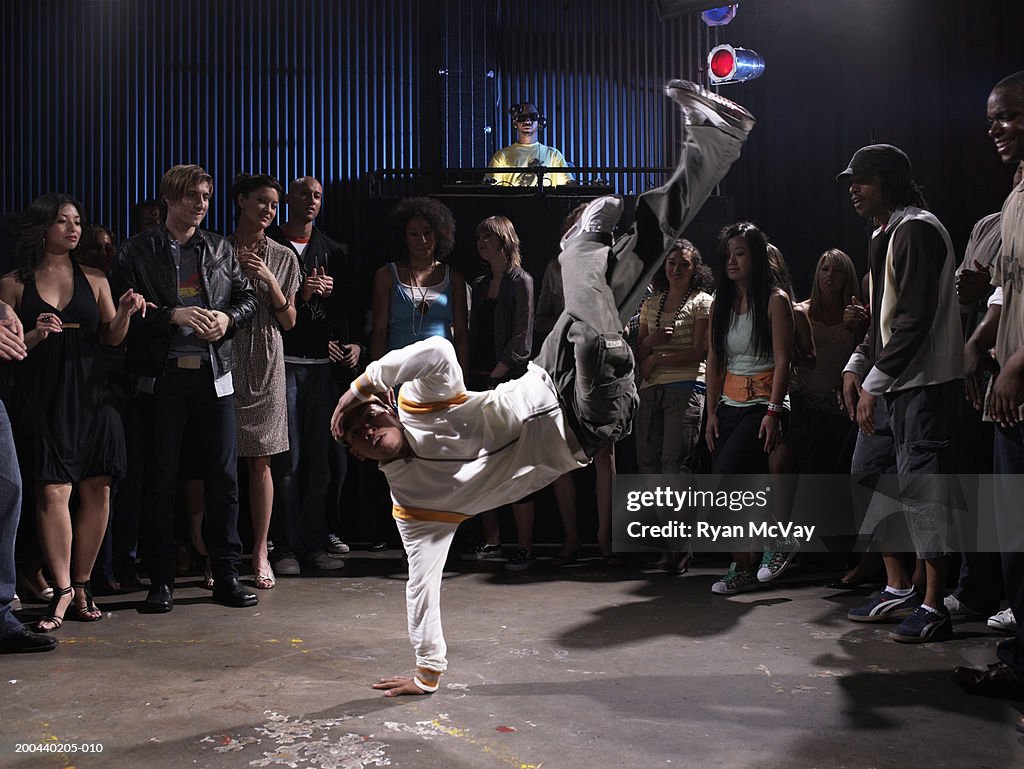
x=449 y=454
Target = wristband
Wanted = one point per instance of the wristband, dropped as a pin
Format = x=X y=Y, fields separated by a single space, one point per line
x=283 y=307
x=775 y=409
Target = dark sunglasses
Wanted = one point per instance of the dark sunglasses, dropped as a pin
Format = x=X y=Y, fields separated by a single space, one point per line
x=528 y=117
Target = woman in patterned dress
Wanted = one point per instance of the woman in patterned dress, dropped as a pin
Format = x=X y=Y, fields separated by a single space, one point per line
x=259 y=353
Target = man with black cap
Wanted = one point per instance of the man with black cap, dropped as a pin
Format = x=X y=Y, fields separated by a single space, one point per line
x=913 y=359
x=449 y=453
x=528 y=152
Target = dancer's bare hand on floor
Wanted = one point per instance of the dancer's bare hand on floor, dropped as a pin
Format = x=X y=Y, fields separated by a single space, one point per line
x=397 y=686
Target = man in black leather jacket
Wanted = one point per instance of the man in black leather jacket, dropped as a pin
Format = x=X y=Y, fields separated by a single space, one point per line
x=181 y=352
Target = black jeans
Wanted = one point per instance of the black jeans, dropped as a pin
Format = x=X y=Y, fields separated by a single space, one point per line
x=1009 y=460
x=302 y=475
x=184 y=414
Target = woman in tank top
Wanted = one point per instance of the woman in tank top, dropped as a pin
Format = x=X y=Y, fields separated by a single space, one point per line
x=417 y=296
x=748 y=368
x=838 y=324
x=68 y=433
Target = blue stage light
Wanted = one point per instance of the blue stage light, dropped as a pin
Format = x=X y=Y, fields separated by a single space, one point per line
x=719 y=17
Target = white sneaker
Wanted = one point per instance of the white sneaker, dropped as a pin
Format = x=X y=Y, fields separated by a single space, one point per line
x=703 y=107
x=15 y=603
x=958 y=608
x=1003 y=620
x=600 y=215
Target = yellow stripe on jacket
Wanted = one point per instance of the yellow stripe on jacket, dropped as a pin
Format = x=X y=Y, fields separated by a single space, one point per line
x=419 y=514
x=412 y=407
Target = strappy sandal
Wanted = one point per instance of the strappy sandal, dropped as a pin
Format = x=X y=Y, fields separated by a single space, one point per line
x=90 y=612
x=51 y=610
x=263 y=580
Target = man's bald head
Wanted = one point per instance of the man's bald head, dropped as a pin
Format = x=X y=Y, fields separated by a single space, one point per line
x=305 y=196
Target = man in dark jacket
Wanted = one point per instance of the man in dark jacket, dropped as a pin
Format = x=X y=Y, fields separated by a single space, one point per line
x=181 y=352
x=317 y=352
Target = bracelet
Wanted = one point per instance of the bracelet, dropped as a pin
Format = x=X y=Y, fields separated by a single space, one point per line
x=775 y=408
x=283 y=307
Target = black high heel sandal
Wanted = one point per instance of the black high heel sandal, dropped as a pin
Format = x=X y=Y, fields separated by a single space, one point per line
x=85 y=613
x=51 y=616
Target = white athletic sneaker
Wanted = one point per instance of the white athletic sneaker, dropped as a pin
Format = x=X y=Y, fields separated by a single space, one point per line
x=600 y=215
x=958 y=608
x=703 y=107
x=1003 y=620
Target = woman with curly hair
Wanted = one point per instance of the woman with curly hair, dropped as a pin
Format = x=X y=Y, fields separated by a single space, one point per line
x=68 y=431
x=417 y=296
x=671 y=348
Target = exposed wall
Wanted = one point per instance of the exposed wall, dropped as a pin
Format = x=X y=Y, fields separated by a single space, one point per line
x=101 y=96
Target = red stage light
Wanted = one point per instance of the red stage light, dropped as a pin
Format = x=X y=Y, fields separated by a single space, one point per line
x=728 y=64
x=722 y=63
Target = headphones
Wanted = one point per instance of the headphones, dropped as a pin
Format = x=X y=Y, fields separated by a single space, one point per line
x=516 y=110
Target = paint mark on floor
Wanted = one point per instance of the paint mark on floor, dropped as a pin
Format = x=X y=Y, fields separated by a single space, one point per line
x=303 y=743
x=429 y=730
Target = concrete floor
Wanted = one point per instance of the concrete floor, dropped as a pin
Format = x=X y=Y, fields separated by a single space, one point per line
x=580 y=667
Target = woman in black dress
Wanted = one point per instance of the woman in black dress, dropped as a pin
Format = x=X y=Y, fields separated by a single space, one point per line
x=67 y=431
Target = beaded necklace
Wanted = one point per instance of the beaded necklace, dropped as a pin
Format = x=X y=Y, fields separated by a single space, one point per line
x=679 y=310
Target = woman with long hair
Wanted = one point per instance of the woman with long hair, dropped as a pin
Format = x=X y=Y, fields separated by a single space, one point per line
x=260 y=406
x=838 y=323
x=672 y=343
x=748 y=369
x=500 y=342
x=69 y=434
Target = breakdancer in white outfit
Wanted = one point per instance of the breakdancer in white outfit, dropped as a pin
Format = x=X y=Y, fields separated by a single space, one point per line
x=449 y=454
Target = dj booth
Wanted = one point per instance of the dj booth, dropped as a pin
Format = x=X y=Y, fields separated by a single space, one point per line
x=538 y=213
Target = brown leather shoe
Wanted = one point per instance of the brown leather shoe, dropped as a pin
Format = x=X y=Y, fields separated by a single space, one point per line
x=998 y=680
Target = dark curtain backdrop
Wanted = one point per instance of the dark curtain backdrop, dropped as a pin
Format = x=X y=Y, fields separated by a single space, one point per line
x=101 y=96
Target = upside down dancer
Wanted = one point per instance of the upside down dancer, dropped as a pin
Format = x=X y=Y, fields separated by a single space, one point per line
x=449 y=454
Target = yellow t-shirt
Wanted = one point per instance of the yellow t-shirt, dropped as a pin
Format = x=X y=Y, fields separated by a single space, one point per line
x=521 y=155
